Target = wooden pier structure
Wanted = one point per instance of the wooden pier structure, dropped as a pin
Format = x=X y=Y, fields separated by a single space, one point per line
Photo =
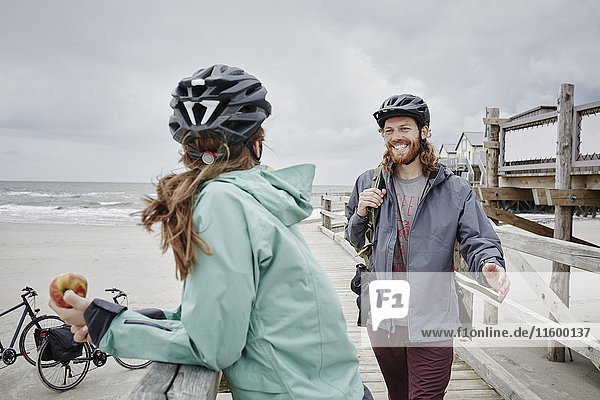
x=569 y=180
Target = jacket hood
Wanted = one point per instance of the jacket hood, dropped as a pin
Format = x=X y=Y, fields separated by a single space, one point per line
x=440 y=175
x=285 y=193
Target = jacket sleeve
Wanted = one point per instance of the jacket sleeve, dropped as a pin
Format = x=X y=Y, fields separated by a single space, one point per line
x=216 y=303
x=357 y=225
x=478 y=241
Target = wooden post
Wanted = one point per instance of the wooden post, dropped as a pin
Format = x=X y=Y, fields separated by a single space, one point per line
x=490 y=312
x=563 y=215
x=326 y=205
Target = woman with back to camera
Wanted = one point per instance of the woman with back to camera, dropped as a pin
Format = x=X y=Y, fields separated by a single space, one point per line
x=255 y=303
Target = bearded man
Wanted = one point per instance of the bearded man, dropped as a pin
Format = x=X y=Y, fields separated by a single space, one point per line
x=423 y=210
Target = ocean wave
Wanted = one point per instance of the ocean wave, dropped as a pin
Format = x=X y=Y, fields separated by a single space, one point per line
x=68 y=215
x=37 y=194
x=66 y=195
x=100 y=204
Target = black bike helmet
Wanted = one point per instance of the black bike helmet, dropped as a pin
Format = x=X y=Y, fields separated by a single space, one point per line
x=218 y=101
x=403 y=105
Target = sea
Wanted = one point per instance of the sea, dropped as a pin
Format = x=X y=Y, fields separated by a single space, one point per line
x=93 y=203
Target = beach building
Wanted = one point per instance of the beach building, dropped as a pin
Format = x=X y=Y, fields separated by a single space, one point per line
x=465 y=158
x=447 y=150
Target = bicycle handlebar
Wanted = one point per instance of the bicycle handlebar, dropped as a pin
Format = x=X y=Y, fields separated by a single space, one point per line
x=28 y=291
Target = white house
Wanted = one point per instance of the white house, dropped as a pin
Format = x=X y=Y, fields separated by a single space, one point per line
x=468 y=145
x=447 y=150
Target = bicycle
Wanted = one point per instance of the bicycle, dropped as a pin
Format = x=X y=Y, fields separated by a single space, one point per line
x=27 y=343
x=66 y=374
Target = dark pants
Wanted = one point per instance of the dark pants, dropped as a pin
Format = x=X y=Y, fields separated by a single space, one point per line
x=411 y=372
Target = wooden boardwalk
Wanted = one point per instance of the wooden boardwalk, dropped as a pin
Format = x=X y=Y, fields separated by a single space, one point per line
x=339 y=265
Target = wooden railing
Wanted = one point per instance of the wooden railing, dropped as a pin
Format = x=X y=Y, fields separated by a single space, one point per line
x=333 y=210
x=174 y=381
x=581 y=256
x=577 y=255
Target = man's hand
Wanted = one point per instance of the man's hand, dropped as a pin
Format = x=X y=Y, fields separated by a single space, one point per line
x=497 y=278
x=371 y=197
x=73 y=316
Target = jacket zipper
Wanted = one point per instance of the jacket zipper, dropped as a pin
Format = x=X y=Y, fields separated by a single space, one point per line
x=427 y=190
x=146 y=323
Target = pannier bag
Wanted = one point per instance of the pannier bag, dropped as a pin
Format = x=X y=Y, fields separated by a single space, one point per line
x=61 y=346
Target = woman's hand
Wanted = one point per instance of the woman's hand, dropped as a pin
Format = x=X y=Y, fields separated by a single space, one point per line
x=74 y=316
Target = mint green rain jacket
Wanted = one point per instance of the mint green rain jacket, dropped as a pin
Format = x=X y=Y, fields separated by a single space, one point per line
x=260 y=308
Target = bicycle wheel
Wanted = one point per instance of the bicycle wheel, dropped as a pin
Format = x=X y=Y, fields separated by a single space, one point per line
x=27 y=345
x=132 y=363
x=63 y=375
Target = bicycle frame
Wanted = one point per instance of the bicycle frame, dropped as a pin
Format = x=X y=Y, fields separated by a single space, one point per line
x=27 y=311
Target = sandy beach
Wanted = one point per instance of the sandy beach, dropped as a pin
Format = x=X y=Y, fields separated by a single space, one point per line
x=130 y=258
x=125 y=257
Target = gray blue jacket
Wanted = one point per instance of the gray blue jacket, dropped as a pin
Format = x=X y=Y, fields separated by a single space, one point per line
x=449 y=211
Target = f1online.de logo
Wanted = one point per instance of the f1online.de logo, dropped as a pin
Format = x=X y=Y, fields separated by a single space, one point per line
x=389 y=299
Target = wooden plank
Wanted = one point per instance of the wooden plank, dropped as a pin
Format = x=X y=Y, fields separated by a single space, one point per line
x=472 y=394
x=333 y=215
x=573 y=197
x=194 y=382
x=155 y=384
x=509 y=386
x=504 y=193
x=173 y=381
x=457 y=374
x=556 y=306
x=539 y=196
x=577 y=255
x=472 y=286
x=540 y=288
x=535 y=120
x=464 y=385
x=523 y=167
x=523 y=223
x=491 y=144
x=587 y=348
x=494 y=120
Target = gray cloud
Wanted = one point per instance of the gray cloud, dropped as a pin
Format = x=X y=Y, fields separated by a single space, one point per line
x=93 y=81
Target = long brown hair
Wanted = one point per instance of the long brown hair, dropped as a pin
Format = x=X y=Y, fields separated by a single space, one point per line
x=428 y=157
x=175 y=199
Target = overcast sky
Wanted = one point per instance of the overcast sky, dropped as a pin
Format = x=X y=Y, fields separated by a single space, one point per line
x=86 y=85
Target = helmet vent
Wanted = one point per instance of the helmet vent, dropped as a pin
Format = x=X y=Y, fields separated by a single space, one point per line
x=197 y=91
x=174 y=126
x=239 y=126
x=248 y=109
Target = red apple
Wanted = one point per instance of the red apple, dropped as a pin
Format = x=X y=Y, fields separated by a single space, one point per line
x=64 y=282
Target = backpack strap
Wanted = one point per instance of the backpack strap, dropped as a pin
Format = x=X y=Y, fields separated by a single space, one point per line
x=373 y=214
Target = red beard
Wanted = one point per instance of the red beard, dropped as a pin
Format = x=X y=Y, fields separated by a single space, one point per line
x=409 y=154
